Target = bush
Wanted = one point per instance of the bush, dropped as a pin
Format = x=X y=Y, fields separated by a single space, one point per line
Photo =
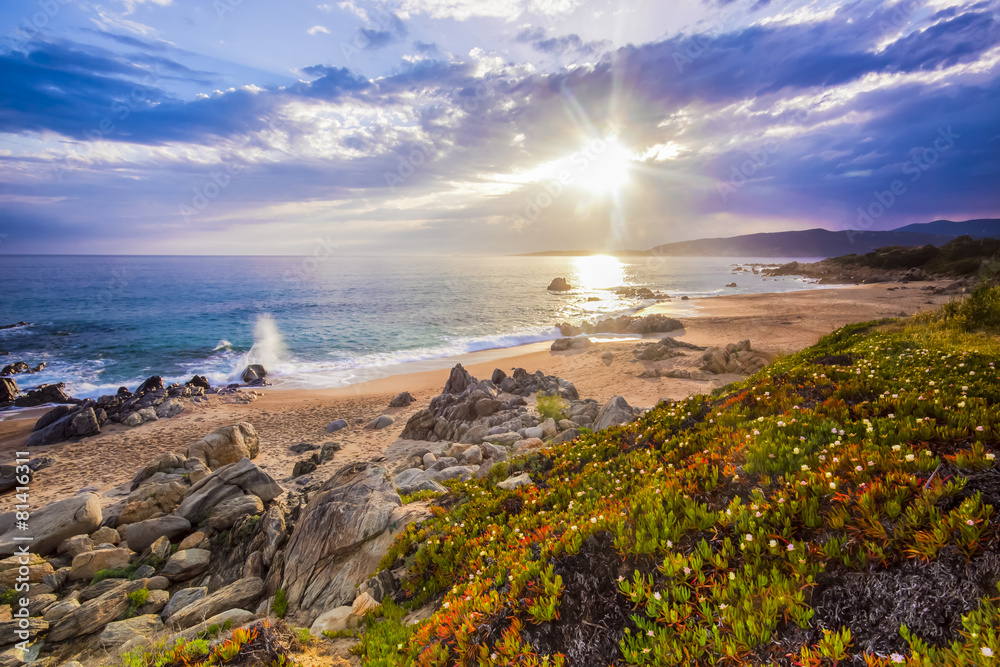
x=280 y=604
x=551 y=407
x=980 y=311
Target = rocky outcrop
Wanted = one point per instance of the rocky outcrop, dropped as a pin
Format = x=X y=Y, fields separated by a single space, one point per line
x=625 y=324
x=559 y=285
x=341 y=536
x=54 y=523
x=142 y=534
x=665 y=348
x=568 y=343
x=254 y=374
x=96 y=613
x=240 y=595
x=79 y=421
x=226 y=445
x=8 y=390
x=615 y=412
x=734 y=358
x=402 y=400
x=230 y=481
x=46 y=393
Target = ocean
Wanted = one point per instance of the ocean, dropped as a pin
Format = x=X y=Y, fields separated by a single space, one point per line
x=100 y=322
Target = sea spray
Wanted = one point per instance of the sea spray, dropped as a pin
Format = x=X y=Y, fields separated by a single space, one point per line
x=268 y=348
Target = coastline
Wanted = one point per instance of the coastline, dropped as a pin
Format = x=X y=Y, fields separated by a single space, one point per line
x=775 y=323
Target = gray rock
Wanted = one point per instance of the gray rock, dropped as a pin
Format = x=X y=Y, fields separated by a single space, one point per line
x=473 y=455
x=238 y=595
x=303 y=467
x=227 y=482
x=187 y=564
x=336 y=425
x=429 y=459
x=142 y=534
x=401 y=400
x=60 y=609
x=75 y=545
x=228 y=512
x=615 y=412
x=226 y=445
x=549 y=428
x=421 y=485
x=89 y=563
x=117 y=633
x=253 y=373
x=380 y=422
x=235 y=617
x=534 y=432
x=463 y=473
x=182 y=599
x=512 y=483
x=96 y=613
x=56 y=522
x=566 y=436
x=170 y=408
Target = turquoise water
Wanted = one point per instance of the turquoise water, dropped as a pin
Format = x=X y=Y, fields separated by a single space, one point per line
x=102 y=322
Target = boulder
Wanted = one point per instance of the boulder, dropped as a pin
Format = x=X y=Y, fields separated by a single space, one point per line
x=8 y=390
x=54 y=523
x=528 y=445
x=9 y=630
x=96 y=613
x=227 y=482
x=234 y=617
x=152 y=383
x=303 y=467
x=36 y=569
x=615 y=412
x=420 y=485
x=240 y=595
x=192 y=541
x=183 y=598
x=473 y=455
x=158 y=583
x=60 y=609
x=461 y=473
x=559 y=285
x=512 y=483
x=170 y=408
x=117 y=633
x=253 y=373
x=335 y=620
x=199 y=381
x=228 y=512
x=325 y=559
x=75 y=545
x=336 y=425
x=105 y=535
x=380 y=422
x=226 y=445
x=81 y=421
x=160 y=551
x=89 y=563
x=570 y=343
x=157 y=600
x=142 y=534
x=187 y=564
x=401 y=400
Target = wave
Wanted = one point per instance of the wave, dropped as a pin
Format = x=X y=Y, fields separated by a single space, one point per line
x=223 y=344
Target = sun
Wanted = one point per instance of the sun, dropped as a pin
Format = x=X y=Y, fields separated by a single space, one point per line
x=607 y=167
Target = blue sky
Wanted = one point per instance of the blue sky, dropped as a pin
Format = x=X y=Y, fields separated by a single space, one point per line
x=460 y=126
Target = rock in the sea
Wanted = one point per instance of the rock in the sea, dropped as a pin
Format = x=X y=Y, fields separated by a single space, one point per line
x=336 y=425
x=615 y=412
x=228 y=512
x=187 y=564
x=559 y=285
x=142 y=534
x=253 y=373
x=89 y=563
x=380 y=422
x=55 y=522
x=240 y=595
x=401 y=400
x=226 y=445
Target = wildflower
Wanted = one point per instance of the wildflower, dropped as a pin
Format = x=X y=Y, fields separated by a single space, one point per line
x=895 y=657
x=649 y=633
x=732 y=575
x=990 y=456
x=749 y=537
x=621 y=578
x=773 y=543
x=909 y=457
x=979 y=428
x=805 y=467
x=895 y=448
x=858 y=468
x=656 y=595
x=970 y=522
x=987 y=651
x=833 y=485
x=790 y=547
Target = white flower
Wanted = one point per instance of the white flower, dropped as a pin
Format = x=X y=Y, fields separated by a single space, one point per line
x=732 y=575
x=909 y=457
x=656 y=595
x=773 y=543
x=749 y=537
x=895 y=657
x=791 y=547
x=987 y=651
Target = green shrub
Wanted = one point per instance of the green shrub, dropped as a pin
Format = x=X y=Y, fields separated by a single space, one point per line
x=419 y=495
x=116 y=573
x=979 y=311
x=551 y=407
x=280 y=604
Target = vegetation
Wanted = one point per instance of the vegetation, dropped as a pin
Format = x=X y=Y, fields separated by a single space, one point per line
x=255 y=645
x=116 y=573
x=838 y=507
x=280 y=604
x=135 y=601
x=963 y=256
x=551 y=407
x=419 y=495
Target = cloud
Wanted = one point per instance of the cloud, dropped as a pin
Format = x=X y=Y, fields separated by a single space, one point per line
x=509 y=10
x=562 y=45
x=317 y=29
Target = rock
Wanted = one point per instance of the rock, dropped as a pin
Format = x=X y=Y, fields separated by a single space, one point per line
x=227 y=482
x=142 y=534
x=77 y=422
x=303 y=467
x=192 y=541
x=96 y=613
x=915 y=274
x=140 y=417
x=503 y=439
x=336 y=425
x=328 y=450
x=8 y=390
x=253 y=373
x=155 y=602
x=228 y=512
x=170 y=408
x=380 y=422
x=429 y=459
x=459 y=380
x=421 y=485
x=151 y=383
x=335 y=620
x=159 y=550
x=363 y=604
x=243 y=593
x=683 y=374
x=183 y=598
x=528 y=444
x=187 y=564
x=226 y=445
x=730 y=284
x=462 y=473
x=615 y=412
x=234 y=617
x=9 y=629
x=559 y=285
x=303 y=447
x=199 y=381
x=534 y=433
x=60 y=609
x=10 y=478
x=75 y=545
x=734 y=358
x=158 y=583
x=607 y=358
x=39 y=603
x=402 y=400
x=566 y=436
x=570 y=343
x=55 y=522
x=549 y=428
x=342 y=534
x=105 y=535
x=117 y=633
x=473 y=455
x=100 y=588
x=89 y=563
x=512 y=483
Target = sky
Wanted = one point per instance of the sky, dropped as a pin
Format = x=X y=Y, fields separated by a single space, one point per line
x=503 y=126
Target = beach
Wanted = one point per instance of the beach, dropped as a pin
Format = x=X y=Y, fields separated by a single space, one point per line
x=775 y=324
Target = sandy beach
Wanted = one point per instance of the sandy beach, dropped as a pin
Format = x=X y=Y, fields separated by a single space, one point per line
x=776 y=324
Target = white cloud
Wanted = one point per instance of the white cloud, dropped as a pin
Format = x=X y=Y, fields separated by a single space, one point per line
x=130 y=5
x=317 y=29
x=510 y=10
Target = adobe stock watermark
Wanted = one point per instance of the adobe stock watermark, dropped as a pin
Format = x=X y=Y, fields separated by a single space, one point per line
x=757 y=159
x=407 y=165
x=209 y=190
x=31 y=25
x=110 y=124
x=553 y=189
x=323 y=250
x=696 y=45
x=921 y=159
x=224 y=7
x=379 y=21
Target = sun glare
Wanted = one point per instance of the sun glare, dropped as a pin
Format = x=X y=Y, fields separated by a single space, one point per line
x=599 y=272
x=607 y=170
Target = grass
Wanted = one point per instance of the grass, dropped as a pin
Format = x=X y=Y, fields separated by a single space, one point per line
x=725 y=529
x=418 y=496
x=280 y=604
x=551 y=407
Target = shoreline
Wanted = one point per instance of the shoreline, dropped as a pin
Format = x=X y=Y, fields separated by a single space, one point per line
x=776 y=324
